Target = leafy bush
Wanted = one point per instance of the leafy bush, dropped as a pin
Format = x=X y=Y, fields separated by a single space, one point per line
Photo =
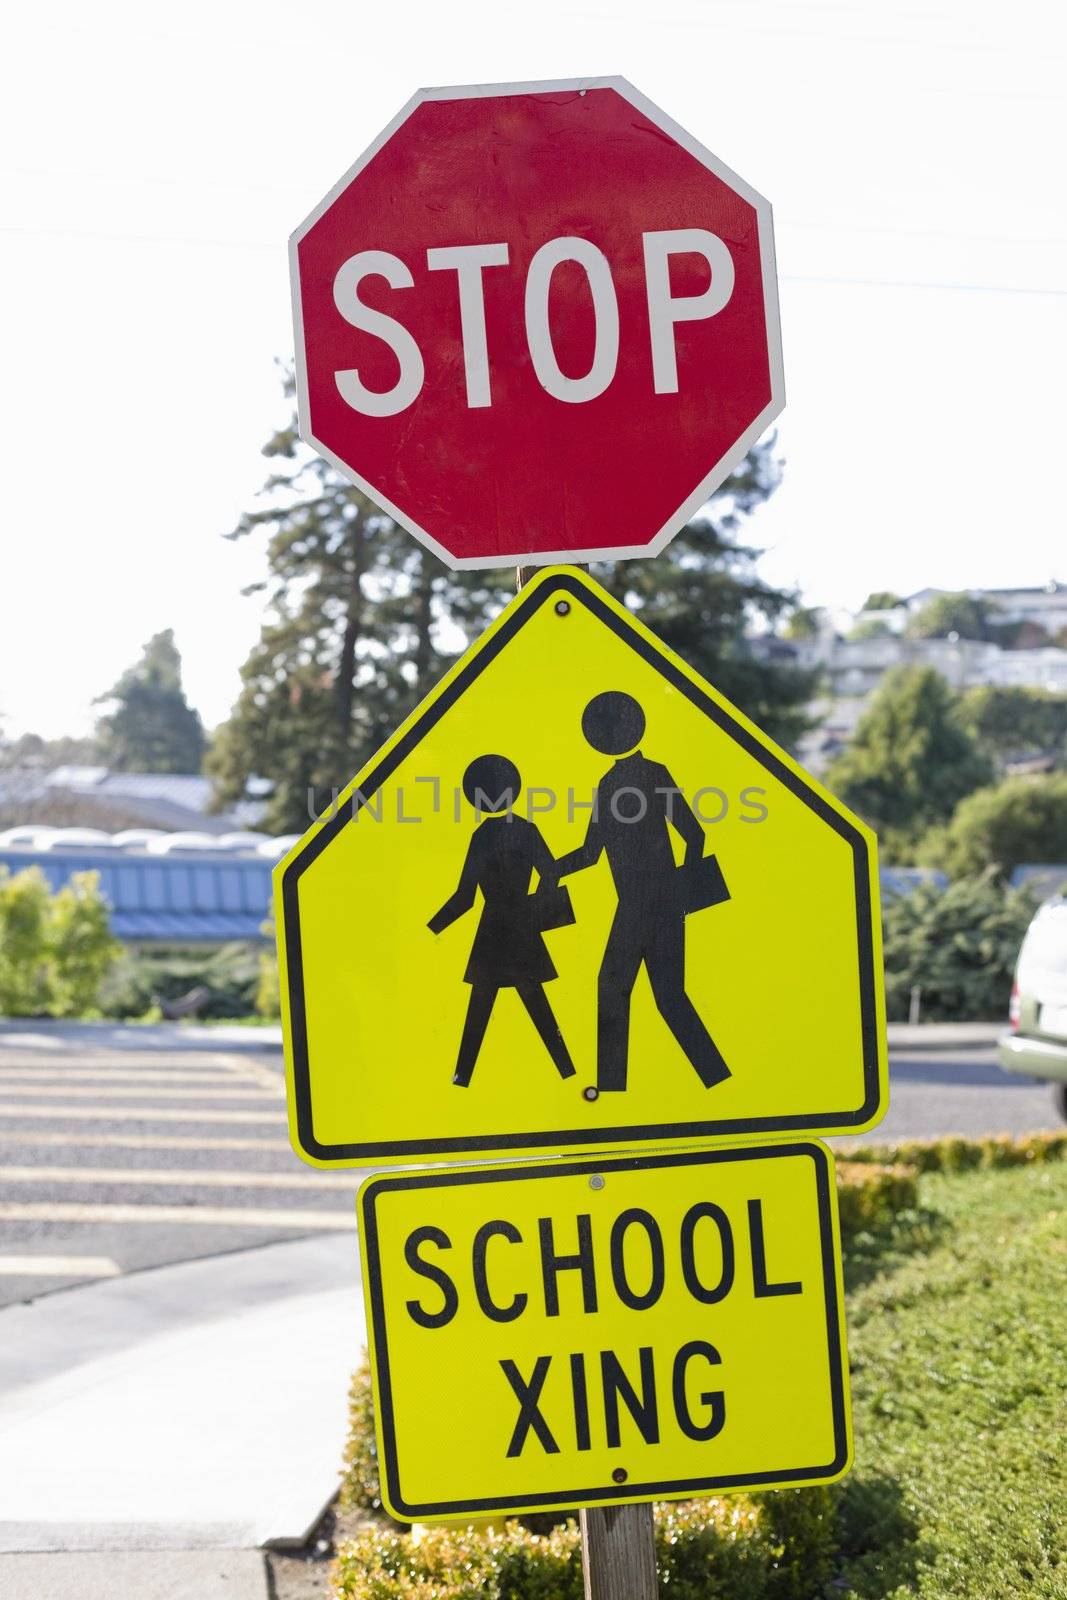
x=1019 y=822
x=869 y=1195
x=231 y=974
x=958 y=944
x=911 y=761
x=55 y=949
x=956 y=1154
x=780 y=1548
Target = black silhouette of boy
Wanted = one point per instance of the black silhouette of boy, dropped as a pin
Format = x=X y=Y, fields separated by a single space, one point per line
x=509 y=951
x=637 y=802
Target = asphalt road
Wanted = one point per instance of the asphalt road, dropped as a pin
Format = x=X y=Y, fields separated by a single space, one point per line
x=961 y=1091
x=119 y=1152
x=115 y=1159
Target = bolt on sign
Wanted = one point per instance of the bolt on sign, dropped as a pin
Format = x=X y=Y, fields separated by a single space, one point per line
x=537 y=322
x=591 y=1331
x=577 y=900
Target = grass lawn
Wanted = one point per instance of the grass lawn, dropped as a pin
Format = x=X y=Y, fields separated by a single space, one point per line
x=958 y=1340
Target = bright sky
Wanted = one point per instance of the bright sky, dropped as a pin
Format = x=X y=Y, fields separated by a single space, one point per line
x=154 y=160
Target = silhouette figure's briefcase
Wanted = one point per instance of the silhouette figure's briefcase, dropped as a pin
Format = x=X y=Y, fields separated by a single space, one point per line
x=552 y=908
x=702 y=884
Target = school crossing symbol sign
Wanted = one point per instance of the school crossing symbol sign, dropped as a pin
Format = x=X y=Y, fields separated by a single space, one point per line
x=577 y=900
x=597 y=1330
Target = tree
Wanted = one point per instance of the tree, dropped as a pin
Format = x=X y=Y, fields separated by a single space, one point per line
x=911 y=761
x=151 y=726
x=882 y=600
x=55 y=949
x=969 y=616
x=1018 y=823
x=356 y=611
x=870 y=628
x=803 y=624
x=361 y=621
x=958 y=945
x=1013 y=721
x=703 y=595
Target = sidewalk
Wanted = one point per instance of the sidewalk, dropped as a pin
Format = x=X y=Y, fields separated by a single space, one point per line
x=197 y=1409
x=944 y=1035
x=45 y=1033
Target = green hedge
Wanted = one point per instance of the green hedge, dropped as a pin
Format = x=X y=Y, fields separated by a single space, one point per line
x=957 y=1154
x=781 y=1548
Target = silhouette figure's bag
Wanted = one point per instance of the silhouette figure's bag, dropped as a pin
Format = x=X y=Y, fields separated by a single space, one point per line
x=553 y=909
x=702 y=884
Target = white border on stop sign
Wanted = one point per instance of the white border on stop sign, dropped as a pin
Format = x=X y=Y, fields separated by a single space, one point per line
x=722 y=468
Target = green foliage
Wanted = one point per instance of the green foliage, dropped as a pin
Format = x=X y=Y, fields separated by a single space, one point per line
x=1021 y=821
x=882 y=600
x=716 y=1549
x=870 y=1194
x=25 y=902
x=360 y=1485
x=959 y=944
x=1012 y=721
x=55 y=949
x=701 y=595
x=870 y=628
x=361 y=621
x=231 y=973
x=969 y=616
x=957 y=1154
x=959 y=1401
x=802 y=624
x=151 y=726
x=911 y=761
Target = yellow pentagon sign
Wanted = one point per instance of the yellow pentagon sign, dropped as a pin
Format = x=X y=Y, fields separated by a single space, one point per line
x=577 y=900
x=600 y=1329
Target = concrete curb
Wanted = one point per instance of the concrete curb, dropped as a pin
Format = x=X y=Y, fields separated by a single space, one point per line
x=906 y=1036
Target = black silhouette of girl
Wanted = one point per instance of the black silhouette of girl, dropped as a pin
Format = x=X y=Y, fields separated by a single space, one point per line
x=509 y=951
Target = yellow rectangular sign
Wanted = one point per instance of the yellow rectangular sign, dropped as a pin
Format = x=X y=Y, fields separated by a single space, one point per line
x=592 y=1330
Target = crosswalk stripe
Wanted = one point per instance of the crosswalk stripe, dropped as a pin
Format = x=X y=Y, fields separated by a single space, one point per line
x=109 y=1075
x=177 y=1177
x=89 y=1091
x=141 y=1113
x=223 y=1216
x=58 y=1267
x=145 y=1141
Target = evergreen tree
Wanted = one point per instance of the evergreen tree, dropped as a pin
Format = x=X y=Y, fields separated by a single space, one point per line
x=151 y=726
x=911 y=761
x=362 y=621
x=703 y=598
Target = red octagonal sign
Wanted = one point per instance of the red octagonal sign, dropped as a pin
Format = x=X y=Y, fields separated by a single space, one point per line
x=537 y=322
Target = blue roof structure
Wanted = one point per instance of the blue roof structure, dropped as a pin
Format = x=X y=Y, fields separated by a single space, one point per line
x=161 y=899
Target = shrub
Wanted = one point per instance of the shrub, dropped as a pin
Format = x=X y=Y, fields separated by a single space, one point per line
x=55 y=949
x=869 y=1195
x=780 y=1548
x=957 y=1154
x=231 y=974
x=1022 y=821
x=958 y=944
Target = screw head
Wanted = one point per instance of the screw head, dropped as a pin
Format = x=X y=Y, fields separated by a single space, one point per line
x=619 y=1475
x=562 y=607
x=596 y=1181
x=592 y=1093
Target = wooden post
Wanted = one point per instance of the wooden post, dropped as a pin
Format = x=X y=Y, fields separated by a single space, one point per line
x=618 y=1546
x=619 y=1553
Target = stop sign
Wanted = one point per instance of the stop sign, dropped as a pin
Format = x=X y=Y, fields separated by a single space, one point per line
x=537 y=322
